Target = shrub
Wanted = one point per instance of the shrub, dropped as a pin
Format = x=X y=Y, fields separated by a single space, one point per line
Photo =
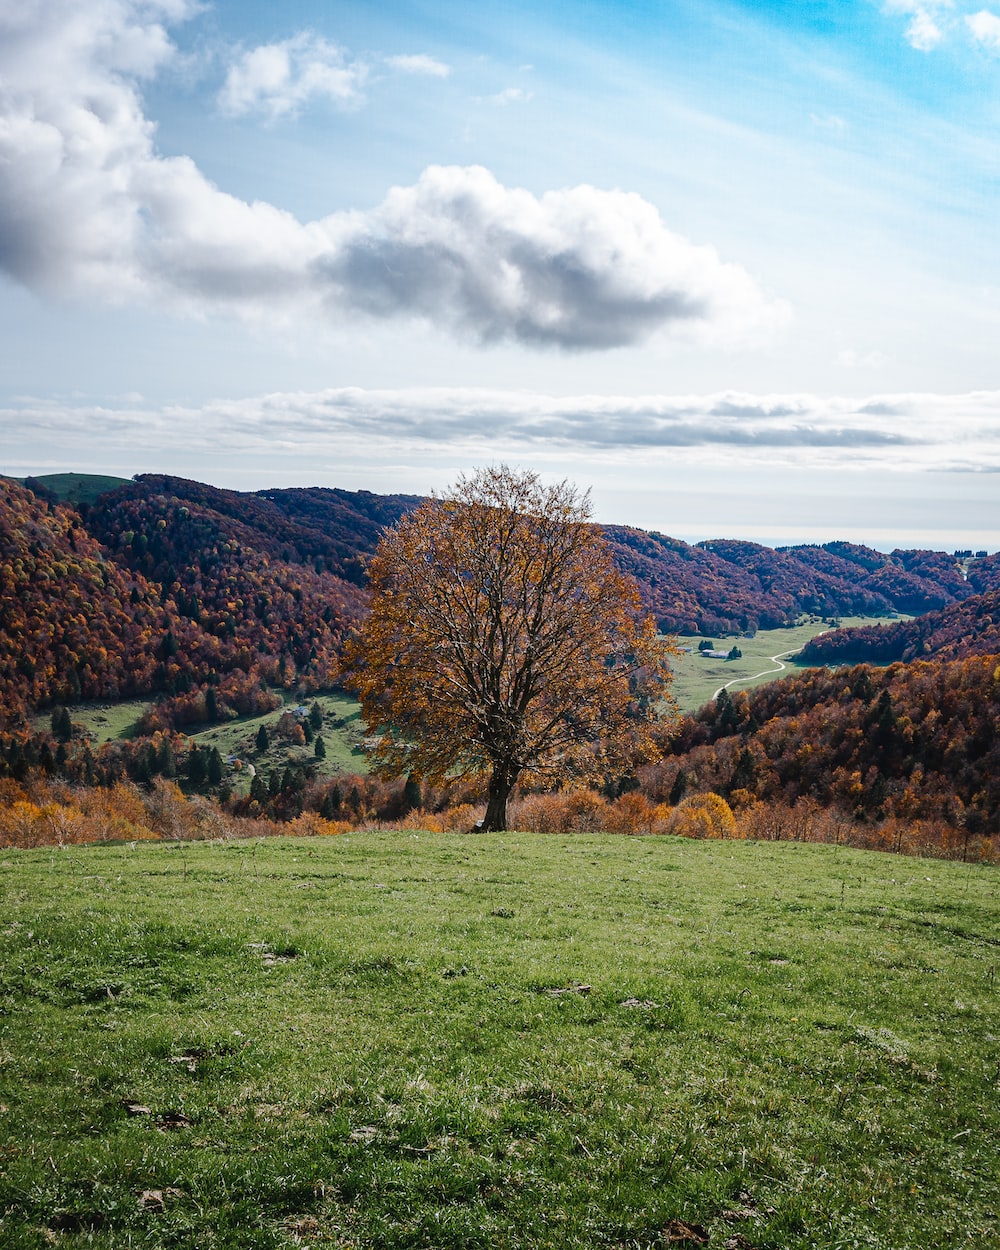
x=702 y=816
x=630 y=813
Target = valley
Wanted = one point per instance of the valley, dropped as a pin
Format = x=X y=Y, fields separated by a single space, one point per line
x=153 y=629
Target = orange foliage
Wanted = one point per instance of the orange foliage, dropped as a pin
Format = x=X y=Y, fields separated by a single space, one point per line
x=503 y=643
x=702 y=816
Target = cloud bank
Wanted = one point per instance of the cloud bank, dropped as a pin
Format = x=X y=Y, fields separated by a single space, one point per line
x=908 y=432
x=89 y=208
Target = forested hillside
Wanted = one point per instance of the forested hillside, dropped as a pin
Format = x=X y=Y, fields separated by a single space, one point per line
x=167 y=586
x=210 y=599
x=330 y=530
x=968 y=628
x=73 y=624
x=912 y=740
x=169 y=590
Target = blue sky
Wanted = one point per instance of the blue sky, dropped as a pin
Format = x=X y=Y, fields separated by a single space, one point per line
x=732 y=266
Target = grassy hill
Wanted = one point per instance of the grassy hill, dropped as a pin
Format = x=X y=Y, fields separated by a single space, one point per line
x=406 y=1040
x=77 y=488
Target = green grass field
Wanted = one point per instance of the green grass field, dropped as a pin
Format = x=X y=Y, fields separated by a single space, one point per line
x=79 y=487
x=696 y=679
x=101 y=720
x=393 y=1040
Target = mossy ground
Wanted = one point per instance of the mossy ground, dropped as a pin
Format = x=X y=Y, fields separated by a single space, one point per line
x=410 y=1040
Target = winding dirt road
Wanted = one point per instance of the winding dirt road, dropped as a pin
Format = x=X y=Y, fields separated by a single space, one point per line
x=775 y=660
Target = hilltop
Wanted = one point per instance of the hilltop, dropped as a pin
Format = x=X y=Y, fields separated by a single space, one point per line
x=401 y=1040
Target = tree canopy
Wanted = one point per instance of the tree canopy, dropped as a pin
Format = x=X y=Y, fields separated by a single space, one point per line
x=503 y=643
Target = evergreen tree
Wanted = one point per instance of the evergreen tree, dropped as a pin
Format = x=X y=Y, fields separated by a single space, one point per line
x=412 y=795
x=166 y=765
x=319 y=749
x=62 y=725
x=263 y=741
x=197 y=766
x=142 y=768
x=745 y=771
x=316 y=716
x=725 y=712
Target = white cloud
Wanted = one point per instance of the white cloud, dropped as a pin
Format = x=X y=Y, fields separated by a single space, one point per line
x=924 y=31
x=88 y=207
x=279 y=79
x=985 y=28
x=578 y=268
x=419 y=64
x=932 y=20
x=905 y=432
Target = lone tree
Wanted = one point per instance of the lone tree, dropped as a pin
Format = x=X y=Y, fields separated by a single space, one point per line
x=503 y=643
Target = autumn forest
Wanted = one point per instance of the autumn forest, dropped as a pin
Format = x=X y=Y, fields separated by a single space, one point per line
x=212 y=605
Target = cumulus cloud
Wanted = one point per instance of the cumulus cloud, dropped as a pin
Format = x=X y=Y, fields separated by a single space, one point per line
x=278 y=79
x=985 y=28
x=89 y=207
x=924 y=31
x=419 y=64
x=579 y=268
x=888 y=432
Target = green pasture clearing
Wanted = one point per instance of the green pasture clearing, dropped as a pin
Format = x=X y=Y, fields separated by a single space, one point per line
x=447 y=1042
x=342 y=733
x=79 y=487
x=696 y=679
x=103 y=722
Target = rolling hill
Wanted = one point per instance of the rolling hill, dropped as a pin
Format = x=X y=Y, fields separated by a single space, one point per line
x=166 y=585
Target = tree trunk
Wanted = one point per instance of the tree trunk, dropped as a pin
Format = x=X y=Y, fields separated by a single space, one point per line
x=501 y=784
